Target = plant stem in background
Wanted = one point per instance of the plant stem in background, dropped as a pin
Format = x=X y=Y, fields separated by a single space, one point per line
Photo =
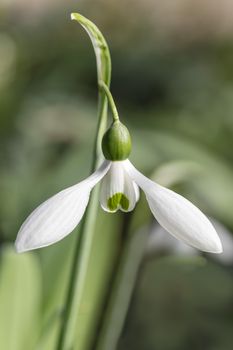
x=84 y=241
x=121 y=290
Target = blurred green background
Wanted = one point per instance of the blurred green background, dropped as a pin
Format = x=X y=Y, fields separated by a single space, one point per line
x=172 y=81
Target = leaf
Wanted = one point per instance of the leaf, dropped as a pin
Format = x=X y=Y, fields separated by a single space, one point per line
x=20 y=295
x=122 y=289
x=103 y=59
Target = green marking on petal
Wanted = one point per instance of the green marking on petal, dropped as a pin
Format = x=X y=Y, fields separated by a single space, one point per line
x=116 y=200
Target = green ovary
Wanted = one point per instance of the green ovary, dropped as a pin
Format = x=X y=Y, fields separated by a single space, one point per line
x=118 y=199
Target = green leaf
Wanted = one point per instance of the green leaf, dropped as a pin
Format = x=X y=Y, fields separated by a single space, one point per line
x=122 y=289
x=101 y=49
x=20 y=295
x=104 y=68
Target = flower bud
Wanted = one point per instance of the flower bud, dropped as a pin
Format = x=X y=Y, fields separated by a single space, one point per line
x=116 y=142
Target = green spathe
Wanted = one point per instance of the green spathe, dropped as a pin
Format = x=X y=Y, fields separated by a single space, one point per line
x=116 y=143
x=118 y=199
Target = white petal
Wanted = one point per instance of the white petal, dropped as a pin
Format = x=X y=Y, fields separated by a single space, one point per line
x=227 y=242
x=177 y=215
x=137 y=192
x=59 y=215
x=118 y=191
x=158 y=240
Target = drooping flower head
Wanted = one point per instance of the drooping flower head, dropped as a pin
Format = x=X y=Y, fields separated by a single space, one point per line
x=120 y=182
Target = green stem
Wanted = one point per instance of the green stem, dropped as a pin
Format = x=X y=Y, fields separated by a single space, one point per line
x=84 y=240
x=110 y=100
x=122 y=289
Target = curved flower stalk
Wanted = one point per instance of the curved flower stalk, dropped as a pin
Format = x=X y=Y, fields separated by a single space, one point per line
x=120 y=183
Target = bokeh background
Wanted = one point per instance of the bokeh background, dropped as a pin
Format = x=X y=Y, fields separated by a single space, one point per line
x=172 y=80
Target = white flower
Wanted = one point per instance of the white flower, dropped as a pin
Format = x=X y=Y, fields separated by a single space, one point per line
x=59 y=215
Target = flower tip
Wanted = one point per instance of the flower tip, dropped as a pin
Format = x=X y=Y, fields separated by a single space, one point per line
x=19 y=249
x=215 y=247
x=218 y=249
x=72 y=16
x=20 y=245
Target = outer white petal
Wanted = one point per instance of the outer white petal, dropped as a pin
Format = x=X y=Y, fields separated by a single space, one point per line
x=116 y=181
x=137 y=192
x=59 y=215
x=177 y=215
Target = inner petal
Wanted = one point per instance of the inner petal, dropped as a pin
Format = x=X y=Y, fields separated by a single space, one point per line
x=118 y=200
x=118 y=191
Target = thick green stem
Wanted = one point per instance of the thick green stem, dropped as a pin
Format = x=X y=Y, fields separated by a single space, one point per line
x=84 y=241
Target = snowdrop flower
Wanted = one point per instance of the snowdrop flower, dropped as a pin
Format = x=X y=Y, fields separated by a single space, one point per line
x=120 y=182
